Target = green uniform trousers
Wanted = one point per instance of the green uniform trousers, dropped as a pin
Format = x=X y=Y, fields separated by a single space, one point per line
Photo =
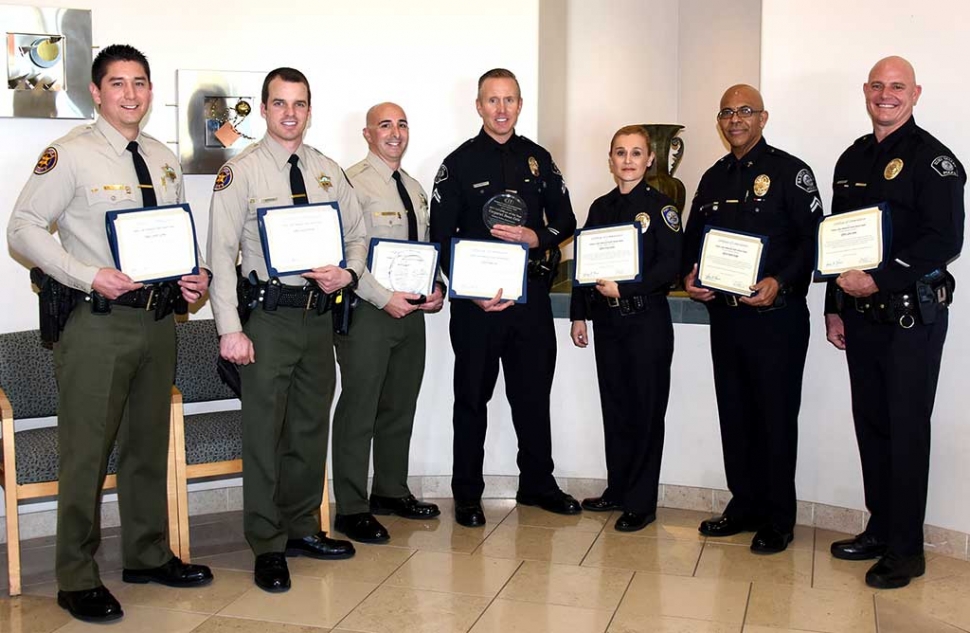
x=381 y=367
x=114 y=376
x=286 y=397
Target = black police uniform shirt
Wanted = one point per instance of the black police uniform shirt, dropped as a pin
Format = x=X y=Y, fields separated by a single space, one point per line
x=766 y=192
x=481 y=168
x=661 y=242
x=922 y=183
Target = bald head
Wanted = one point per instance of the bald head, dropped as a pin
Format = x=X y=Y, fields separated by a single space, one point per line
x=742 y=118
x=891 y=93
x=748 y=94
x=387 y=132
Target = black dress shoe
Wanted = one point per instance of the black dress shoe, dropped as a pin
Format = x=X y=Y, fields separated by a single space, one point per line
x=407 y=507
x=362 y=527
x=469 y=514
x=555 y=501
x=892 y=571
x=860 y=547
x=601 y=504
x=724 y=525
x=271 y=573
x=174 y=573
x=633 y=521
x=91 y=605
x=320 y=547
x=769 y=540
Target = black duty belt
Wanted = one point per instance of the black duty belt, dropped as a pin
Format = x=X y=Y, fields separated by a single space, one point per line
x=161 y=298
x=732 y=301
x=307 y=297
x=634 y=304
x=920 y=303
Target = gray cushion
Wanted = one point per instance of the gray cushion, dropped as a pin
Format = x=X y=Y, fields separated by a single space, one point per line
x=27 y=375
x=37 y=456
x=195 y=371
x=213 y=437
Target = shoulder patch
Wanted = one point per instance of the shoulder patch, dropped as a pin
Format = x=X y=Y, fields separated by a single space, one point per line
x=805 y=181
x=46 y=162
x=442 y=174
x=671 y=217
x=943 y=165
x=223 y=178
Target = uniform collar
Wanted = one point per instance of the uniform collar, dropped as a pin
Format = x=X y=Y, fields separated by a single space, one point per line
x=116 y=139
x=491 y=142
x=642 y=188
x=281 y=155
x=888 y=143
x=751 y=157
x=383 y=169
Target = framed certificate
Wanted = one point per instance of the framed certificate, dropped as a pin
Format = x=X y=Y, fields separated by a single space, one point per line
x=153 y=244
x=854 y=240
x=403 y=266
x=730 y=261
x=608 y=252
x=296 y=239
x=479 y=268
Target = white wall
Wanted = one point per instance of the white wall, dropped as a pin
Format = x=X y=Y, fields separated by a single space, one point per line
x=815 y=58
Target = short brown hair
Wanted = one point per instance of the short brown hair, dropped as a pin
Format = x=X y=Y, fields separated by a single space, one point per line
x=632 y=129
x=499 y=73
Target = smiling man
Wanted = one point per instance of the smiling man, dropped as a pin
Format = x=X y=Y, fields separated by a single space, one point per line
x=498 y=161
x=892 y=322
x=758 y=343
x=116 y=356
x=285 y=349
x=382 y=357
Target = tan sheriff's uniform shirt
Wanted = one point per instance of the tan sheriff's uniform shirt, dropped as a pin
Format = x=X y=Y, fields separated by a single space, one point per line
x=77 y=180
x=384 y=213
x=258 y=177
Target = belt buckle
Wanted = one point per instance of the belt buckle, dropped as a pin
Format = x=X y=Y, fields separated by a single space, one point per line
x=310 y=304
x=731 y=300
x=613 y=302
x=151 y=295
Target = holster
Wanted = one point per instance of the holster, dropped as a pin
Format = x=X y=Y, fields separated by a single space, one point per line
x=934 y=292
x=247 y=294
x=546 y=267
x=344 y=302
x=55 y=303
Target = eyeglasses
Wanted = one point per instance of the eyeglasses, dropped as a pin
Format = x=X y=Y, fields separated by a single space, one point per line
x=743 y=112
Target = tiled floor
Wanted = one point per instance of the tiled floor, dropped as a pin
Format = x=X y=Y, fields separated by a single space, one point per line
x=527 y=571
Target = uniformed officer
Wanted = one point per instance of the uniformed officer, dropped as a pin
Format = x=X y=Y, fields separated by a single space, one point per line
x=114 y=367
x=484 y=331
x=634 y=334
x=382 y=357
x=285 y=349
x=758 y=343
x=892 y=322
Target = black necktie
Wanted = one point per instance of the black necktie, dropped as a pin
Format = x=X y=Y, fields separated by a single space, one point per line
x=144 y=178
x=297 y=186
x=406 y=199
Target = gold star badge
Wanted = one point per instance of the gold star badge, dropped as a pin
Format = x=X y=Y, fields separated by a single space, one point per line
x=893 y=168
x=761 y=184
x=324 y=181
x=168 y=172
x=534 y=166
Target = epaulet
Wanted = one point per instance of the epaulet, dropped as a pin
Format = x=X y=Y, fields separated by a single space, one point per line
x=862 y=139
x=358 y=168
x=314 y=150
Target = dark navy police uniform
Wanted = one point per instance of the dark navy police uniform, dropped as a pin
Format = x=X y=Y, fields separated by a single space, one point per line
x=894 y=339
x=634 y=345
x=522 y=336
x=759 y=353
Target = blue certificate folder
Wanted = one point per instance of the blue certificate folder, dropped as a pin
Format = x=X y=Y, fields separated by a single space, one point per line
x=700 y=255
x=458 y=294
x=374 y=241
x=887 y=235
x=112 y=218
x=305 y=258
x=639 y=248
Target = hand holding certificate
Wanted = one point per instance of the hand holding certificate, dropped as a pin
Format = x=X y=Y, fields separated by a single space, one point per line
x=855 y=240
x=404 y=266
x=155 y=244
x=608 y=252
x=480 y=268
x=300 y=238
x=730 y=261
